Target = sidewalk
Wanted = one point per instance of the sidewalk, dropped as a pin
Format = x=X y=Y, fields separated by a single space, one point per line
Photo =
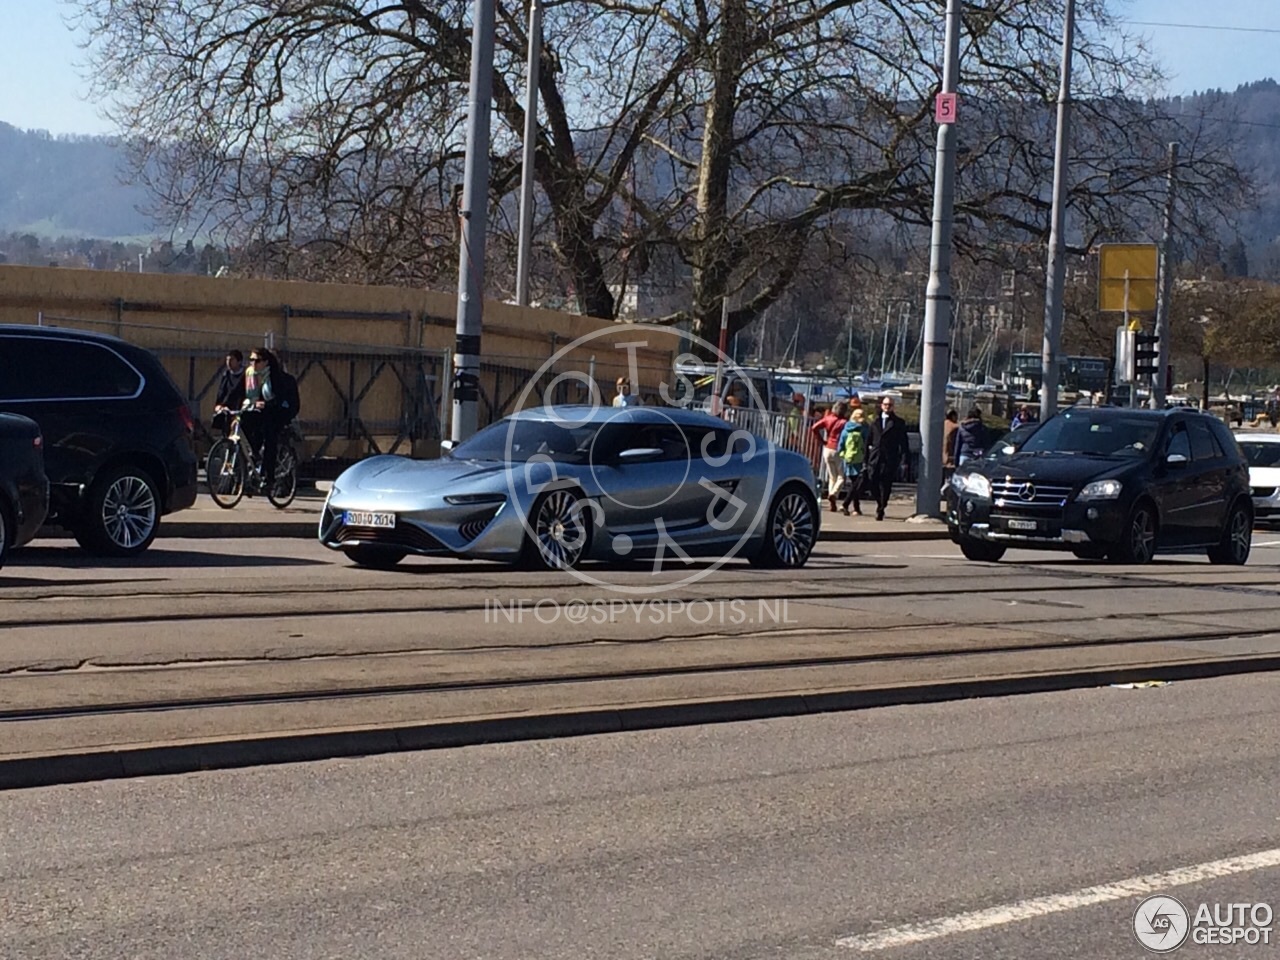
x=255 y=518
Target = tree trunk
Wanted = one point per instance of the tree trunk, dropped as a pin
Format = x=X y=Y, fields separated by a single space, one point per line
x=711 y=266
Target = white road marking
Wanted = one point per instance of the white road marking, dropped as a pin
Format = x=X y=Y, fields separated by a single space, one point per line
x=1267 y=543
x=1057 y=903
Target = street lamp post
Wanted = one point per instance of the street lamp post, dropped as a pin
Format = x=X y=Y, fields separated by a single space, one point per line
x=474 y=216
x=937 y=313
x=1056 y=271
x=525 y=251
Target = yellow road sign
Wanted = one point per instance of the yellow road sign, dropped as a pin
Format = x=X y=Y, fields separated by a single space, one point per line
x=1140 y=262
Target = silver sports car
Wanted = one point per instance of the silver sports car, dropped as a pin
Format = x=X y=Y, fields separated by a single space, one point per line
x=554 y=486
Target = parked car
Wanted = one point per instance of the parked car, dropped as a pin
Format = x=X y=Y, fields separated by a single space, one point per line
x=117 y=433
x=1108 y=482
x=557 y=485
x=24 y=489
x=1262 y=451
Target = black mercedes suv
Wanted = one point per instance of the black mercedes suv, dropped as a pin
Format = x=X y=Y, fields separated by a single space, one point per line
x=1108 y=482
x=117 y=433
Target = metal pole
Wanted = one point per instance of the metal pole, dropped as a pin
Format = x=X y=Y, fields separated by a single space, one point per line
x=530 y=147
x=937 y=312
x=474 y=215
x=1055 y=273
x=884 y=350
x=723 y=345
x=1164 y=343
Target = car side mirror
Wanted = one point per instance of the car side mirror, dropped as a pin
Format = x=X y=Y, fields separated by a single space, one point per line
x=640 y=455
x=1175 y=459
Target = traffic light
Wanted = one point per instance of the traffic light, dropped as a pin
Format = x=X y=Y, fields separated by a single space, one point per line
x=1144 y=354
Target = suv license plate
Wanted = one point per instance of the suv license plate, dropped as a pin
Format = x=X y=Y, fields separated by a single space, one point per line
x=362 y=518
x=1023 y=525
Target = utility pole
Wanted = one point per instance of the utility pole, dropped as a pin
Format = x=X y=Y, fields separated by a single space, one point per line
x=1055 y=273
x=474 y=217
x=937 y=311
x=530 y=149
x=1164 y=343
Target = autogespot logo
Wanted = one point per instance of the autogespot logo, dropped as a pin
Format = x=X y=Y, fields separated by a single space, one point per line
x=1161 y=923
x=567 y=470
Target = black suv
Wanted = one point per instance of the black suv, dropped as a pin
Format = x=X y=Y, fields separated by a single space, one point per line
x=117 y=433
x=24 y=489
x=1107 y=482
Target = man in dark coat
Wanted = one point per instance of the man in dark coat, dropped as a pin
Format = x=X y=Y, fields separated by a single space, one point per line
x=888 y=449
x=230 y=391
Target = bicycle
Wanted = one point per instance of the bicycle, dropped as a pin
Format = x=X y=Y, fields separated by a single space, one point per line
x=232 y=470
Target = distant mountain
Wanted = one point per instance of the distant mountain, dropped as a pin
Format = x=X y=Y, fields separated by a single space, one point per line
x=72 y=186
x=67 y=186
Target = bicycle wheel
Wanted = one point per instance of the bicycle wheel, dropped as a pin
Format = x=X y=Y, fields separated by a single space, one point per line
x=224 y=472
x=285 y=486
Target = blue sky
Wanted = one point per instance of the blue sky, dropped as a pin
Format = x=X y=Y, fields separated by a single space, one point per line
x=40 y=86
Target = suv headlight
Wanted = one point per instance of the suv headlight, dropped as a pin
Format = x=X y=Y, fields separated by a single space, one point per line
x=974 y=484
x=1101 y=490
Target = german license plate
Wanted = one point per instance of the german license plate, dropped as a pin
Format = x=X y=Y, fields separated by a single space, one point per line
x=362 y=518
x=1023 y=525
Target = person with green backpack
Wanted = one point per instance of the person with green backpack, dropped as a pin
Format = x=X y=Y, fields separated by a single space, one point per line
x=853 y=451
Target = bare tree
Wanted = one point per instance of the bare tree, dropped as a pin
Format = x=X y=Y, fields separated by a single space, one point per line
x=719 y=145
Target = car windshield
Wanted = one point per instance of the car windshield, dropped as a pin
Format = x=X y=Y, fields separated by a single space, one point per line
x=1011 y=441
x=1261 y=454
x=518 y=441
x=1095 y=433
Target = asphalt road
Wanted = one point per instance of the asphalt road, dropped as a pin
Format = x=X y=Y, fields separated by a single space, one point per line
x=790 y=838
x=222 y=632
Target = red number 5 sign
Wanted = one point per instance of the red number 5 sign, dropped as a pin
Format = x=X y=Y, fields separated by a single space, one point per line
x=945 y=107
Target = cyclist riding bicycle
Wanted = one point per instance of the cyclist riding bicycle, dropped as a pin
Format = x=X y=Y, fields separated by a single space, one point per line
x=270 y=404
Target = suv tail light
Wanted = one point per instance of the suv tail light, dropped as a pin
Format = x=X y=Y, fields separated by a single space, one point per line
x=188 y=421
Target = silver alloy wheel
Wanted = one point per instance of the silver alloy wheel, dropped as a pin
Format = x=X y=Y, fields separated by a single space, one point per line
x=793 y=532
x=129 y=513
x=1241 y=537
x=1142 y=535
x=560 y=530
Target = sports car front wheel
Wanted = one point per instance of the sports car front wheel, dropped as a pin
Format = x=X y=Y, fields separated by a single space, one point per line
x=559 y=531
x=791 y=529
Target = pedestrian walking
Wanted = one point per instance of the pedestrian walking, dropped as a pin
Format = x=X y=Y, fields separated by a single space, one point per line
x=889 y=448
x=970 y=438
x=949 y=426
x=1025 y=415
x=624 y=397
x=827 y=431
x=853 y=452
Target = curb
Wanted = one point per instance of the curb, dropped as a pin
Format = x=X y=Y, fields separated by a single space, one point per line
x=113 y=764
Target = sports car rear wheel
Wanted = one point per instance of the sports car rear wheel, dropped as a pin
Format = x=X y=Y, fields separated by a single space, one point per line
x=560 y=531
x=791 y=529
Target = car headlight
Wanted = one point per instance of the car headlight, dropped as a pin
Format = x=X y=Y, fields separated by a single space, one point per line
x=472 y=499
x=974 y=484
x=1101 y=490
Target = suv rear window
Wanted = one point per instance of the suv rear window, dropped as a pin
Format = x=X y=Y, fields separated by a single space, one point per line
x=40 y=368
